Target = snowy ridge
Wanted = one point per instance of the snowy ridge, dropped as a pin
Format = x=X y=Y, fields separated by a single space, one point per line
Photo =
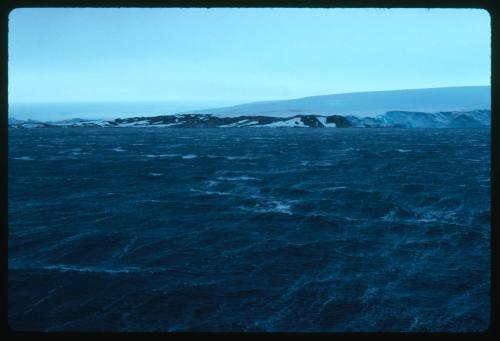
x=397 y=119
x=194 y=121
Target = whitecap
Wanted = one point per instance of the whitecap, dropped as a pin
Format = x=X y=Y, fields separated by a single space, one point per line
x=281 y=207
x=390 y=216
x=211 y=183
x=80 y=153
x=189 y=156
x=161 y=155
x=24 y=158
x=237 y=178
x=119 y=149
x=275 y=206
x=210 y=192
x=403 y=150
x=156 y=174
x=64 y=268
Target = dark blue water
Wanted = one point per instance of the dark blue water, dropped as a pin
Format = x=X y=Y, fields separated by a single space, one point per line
x=249 y=229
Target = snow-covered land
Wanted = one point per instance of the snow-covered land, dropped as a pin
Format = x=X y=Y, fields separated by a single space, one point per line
x=452 y=107
x=399 y=119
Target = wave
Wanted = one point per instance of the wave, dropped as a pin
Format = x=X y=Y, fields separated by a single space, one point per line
x=336 y=188
x=210 y=192
x=101 y=270
x=240 y=157
x=274 y=206
x=237 y=178
x=152 y=156
x=63 y=267
x=156 y=174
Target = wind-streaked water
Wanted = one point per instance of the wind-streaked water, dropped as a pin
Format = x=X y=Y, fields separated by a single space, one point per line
x=249 y=229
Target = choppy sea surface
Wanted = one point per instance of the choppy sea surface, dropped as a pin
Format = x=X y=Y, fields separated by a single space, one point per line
x=249 y=229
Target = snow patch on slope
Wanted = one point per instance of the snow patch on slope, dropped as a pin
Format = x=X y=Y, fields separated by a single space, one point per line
x=235 y=124
x=322 y=120
x=293 y=122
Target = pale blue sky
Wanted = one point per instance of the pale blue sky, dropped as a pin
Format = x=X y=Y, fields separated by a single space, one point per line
x=240 y=55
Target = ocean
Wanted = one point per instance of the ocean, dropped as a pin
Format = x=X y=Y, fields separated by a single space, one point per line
x=314 y=230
